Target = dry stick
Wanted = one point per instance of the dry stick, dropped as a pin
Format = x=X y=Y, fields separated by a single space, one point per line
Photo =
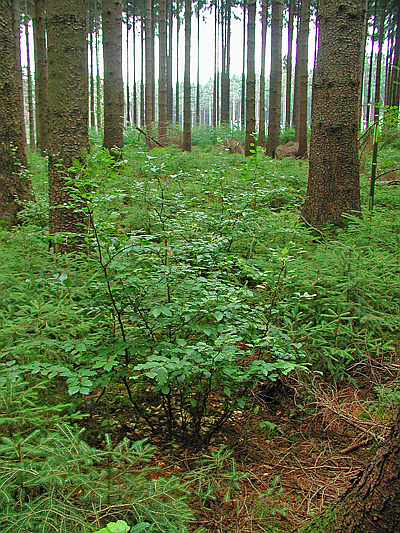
x=388 y=172
x=148 y=136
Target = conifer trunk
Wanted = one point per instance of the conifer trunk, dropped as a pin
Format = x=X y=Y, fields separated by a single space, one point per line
x=162 y=78
x=68 y=113
x=333 y=182
x=16 y=14
x=303 y=77
x=372 y=504
x=289 y=64
x=187 y=131
x=113 y=83
x=261 y=127
x=249 y=145
x=41 y=92
x=14 y=186
x=274 y=120
x=29 y=82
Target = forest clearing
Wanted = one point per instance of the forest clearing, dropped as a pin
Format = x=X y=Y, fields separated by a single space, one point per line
x=199 y=284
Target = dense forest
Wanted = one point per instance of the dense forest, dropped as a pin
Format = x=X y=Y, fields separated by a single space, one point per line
x=199 y=266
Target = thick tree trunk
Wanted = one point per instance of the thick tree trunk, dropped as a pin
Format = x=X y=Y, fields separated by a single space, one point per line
x=250 y=142
x=187 y=123
x=14 y=186
x=333 y=182
x=41 y=97
x=303 y=77
x=113 y=83
x=372 y=504
x=68 y=112
x=274 y=120
x=162 y=73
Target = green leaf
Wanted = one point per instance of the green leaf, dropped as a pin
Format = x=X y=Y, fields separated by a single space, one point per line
x=162 y=376
x=165 y=389
x=240 y=402
x=218 y=316
x=181 y=342
x=67 y=283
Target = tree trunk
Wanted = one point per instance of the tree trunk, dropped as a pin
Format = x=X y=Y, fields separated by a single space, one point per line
x=371 y=62
x=372 y=504
x=29 y=80
x=142 y=77
x=274 y=120
x=250 y=142
x=394 y=93
x=41 y=96
x=303 y=77
x=333 y=182
x=149 y=71
x=135 y=108
x=225 y=82
x=170 y=26
x=289 y=64
x=162 y=73
x=14 y=186
x=215 y=95
x=243 y=95
x=261 y=127
x=187 y=131
x=198 y=68
x=128 y=102
x=68 y=112
x=113 y=83
x=178 y=26
x=16 y=14
x=98 y=79
x=379 y=60
x=91 y=52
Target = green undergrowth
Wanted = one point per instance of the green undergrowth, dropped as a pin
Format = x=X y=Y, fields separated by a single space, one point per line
x=198 y=283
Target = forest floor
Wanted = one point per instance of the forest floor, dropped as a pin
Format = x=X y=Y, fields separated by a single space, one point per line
x=318 y=437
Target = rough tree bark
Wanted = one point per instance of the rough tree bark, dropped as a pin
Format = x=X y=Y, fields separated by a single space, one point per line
x=39 y=34
x=14 y=186
x=113 y=83
x=162 y=73
x=275 y=87
x=187 y=119
x=302 y=52
x=372 y=504
x=68 y=113
x=261 y=125
x=333 y=181
x=249 y=145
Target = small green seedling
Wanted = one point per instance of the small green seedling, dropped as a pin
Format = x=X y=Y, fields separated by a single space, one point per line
x=120 y=526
